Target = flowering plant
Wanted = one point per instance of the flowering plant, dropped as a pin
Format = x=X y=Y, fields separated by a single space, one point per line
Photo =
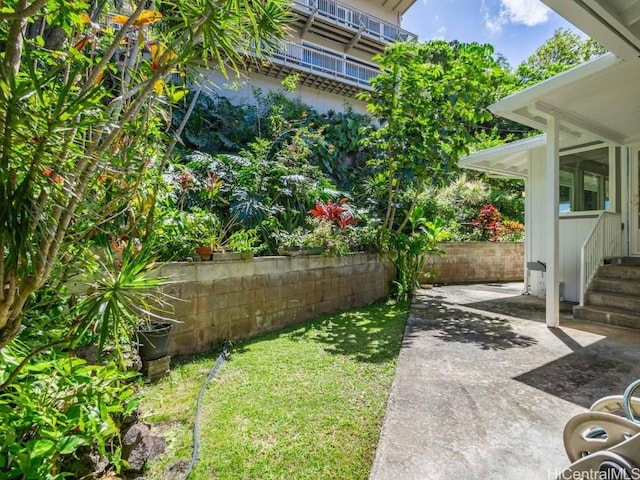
x=336 y=213
x=489 y=223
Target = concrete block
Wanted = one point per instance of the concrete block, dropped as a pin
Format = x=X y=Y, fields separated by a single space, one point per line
x=272 y=306
x=156 y=369
x=313 y=297
x=256 y=296
x=228 y=285
x=275 y=280
x=242 y=328
x=266 y=266
x=185 y=307
x=173 y=290
x=196 y=289
x=182 y=344
x=237 y=298
x=179 y=271
x=213 y=303
x=207 y=272
x=240 y=301
x=257 y=281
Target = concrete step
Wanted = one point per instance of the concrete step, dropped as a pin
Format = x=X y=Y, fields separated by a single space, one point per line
x=631 y=261
x=630 y=272
x=609 y=315
x=608 y=299
x=616 y=285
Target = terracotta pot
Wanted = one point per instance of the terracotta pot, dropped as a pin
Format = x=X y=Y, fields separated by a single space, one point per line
x=204 y=252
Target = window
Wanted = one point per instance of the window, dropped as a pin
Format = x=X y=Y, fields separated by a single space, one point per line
x=566 y=191
x=584 y=180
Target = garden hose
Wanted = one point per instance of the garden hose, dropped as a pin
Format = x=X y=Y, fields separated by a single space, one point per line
x=224 y=355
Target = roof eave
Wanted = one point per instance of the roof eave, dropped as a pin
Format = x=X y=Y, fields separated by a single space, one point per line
x=504 y=150
x=509 y=105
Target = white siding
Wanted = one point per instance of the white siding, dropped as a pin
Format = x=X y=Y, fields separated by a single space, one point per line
x=574 y=230
x=536 y=218
x=321 y=101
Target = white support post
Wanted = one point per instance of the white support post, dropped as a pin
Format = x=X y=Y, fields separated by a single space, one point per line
x=553 y=223
x=528 y=237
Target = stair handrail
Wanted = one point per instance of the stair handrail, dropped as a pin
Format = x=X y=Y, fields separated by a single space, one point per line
x=604 y=241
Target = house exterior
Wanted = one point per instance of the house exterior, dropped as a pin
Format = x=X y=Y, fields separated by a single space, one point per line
x=583 y=175
x=330 y=46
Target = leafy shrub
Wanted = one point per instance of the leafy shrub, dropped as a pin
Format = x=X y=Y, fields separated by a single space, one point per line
x=488 y=223
x=216 y=125
x=342 y=155
x=409 y=249
x=57 y=405
x=507 y=197
x=511 y=231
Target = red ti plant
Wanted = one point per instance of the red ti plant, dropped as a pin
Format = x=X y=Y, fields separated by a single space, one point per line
x=489 y=222
x=335 y=213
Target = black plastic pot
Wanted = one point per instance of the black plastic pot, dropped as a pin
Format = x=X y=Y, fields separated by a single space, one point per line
x=153 y=341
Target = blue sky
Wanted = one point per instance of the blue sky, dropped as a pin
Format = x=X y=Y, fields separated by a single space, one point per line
x=514 y=27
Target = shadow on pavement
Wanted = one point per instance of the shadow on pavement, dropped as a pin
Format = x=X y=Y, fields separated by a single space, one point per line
x=601 y=368
x=454 y=324
x=589 y=373
x=520 y=306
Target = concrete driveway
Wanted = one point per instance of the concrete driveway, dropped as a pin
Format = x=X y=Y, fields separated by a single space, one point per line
x=483 y=389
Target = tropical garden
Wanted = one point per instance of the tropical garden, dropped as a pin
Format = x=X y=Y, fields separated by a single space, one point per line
x=113 y=158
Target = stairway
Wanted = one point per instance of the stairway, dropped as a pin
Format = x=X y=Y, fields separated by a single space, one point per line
x=614 y=295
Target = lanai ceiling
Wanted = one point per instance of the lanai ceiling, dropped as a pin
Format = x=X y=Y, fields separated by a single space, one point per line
x=400 y=6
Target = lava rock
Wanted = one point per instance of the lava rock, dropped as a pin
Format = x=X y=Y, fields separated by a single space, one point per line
x=140 y=445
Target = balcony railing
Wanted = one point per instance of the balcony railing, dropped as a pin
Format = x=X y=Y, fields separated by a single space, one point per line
x=318 y=60
x=342 y=14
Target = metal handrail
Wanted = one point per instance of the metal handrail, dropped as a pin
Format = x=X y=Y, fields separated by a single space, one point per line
x=317 y=59
x=356 y=19
x=604 y=241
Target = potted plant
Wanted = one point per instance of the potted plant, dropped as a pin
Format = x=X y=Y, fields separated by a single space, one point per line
x=290 y=243
x=126 y=297
x=325 y=237
x=244 y=241
x=152 y=339
x=203 y=231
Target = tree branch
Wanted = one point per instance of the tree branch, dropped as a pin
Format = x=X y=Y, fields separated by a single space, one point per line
x=414 y=202
x=24 y=11
x=14 y=43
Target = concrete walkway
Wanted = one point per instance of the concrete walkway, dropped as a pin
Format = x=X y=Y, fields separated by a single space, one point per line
x=482 y=395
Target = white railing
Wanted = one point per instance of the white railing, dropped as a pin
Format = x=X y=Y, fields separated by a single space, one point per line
x=604 y=241
x=319 y=60
x=345 y=15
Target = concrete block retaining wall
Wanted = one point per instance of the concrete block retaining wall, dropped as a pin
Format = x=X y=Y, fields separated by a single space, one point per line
x=227 y=300
x=468 y=262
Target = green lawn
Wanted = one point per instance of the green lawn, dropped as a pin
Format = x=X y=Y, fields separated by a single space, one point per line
x=306 y=402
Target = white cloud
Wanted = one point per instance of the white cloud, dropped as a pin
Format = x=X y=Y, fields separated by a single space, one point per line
x=440 y=29
x=524 y=12
x=492 y=22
